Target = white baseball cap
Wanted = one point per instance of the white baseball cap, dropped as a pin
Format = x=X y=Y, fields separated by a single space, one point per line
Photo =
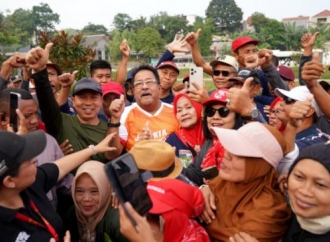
x=300 y=93
x=225 y=59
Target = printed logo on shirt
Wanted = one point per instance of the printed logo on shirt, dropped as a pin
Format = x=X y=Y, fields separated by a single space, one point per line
x=22 y=237
x=185 y=157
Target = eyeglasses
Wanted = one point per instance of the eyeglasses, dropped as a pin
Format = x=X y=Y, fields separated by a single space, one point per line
x=149 y=82
x=288 y=100
x=223 y=112
x=224 y=73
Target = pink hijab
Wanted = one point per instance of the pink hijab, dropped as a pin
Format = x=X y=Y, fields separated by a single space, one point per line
x=95 y=170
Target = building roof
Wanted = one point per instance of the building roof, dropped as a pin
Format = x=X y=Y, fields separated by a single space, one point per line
x=92 y=39
x=295 y=18
x=324 y=13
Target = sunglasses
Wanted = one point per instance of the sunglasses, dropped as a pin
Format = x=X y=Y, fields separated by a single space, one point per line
x=288 y=100
x=218 y=72
x=223 y=112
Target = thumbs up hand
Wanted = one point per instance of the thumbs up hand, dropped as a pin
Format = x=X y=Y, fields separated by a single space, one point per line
x=146 y=133
x=240 y=100
x=116 y=109
x=312 y=70
x=37 y=57
x=299 y=110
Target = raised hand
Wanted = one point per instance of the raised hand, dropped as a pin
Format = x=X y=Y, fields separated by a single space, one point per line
x=116 y=108
x=146 y=133
x=198 y=93
x=67 y=79
x=299 y=110
x=265 y=57
x=178 y=45
x=124 y=48
x=103 y=146
x=308 y=40
x=192 y=37
x=312 y=70
x=239 y=100
x=37 y=57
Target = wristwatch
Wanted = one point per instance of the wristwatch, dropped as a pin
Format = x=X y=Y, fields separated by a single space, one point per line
x=254 y=113
x=113 y=125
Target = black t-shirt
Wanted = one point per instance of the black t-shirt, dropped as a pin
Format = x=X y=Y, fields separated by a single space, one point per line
x=13 y=229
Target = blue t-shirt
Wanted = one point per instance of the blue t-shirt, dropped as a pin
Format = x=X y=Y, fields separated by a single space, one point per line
x=309 y=137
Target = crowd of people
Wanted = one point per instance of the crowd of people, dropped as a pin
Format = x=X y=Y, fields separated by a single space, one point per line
x=248 y=161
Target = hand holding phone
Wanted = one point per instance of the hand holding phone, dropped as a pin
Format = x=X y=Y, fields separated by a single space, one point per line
x=15 y=99
x=196 y=75
x=210 y=172
x=128 y=184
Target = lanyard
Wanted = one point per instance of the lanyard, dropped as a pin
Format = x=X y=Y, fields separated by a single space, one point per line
x=46 y=224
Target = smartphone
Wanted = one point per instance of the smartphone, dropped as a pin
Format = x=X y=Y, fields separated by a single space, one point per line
x=128 y=184
x=15 y=100
x=210 y=172
x=196 y=75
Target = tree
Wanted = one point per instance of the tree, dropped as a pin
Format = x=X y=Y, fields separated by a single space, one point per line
x=149 y=42
x=113 y=46
x=259 y=21
x=291 y=36
x=137 y=24
x=44 y=18
x=205 y=38
x=226 y=14
x=271 y=35
x=121 y=21
x=168 y=26
x=69 y=52
x=91 y=29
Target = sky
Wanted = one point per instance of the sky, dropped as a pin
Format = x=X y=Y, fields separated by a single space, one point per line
x=78 y=13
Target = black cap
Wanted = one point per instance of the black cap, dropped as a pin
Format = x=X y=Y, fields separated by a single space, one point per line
x=244 y=74
x=319 y=152
x=15 y=149
x=86 y=84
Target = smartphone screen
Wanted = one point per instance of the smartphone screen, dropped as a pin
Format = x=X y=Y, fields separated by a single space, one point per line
x=14 y=104
x=196 y=75
x=129 y=185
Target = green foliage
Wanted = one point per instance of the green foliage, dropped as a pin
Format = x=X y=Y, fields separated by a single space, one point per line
x=44 y=18
x=91 y=29
x=121 y=21
x=226 y=15
x=168 y=26
x=113 y=47
x=259 y=21
x=292 y=36
x=69 y=52
x=149 y=42
x=205 y=39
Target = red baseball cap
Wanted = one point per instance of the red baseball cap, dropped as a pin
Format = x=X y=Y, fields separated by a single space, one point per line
x=172 y=194
x=218 y=96
x=286 y=73
x=240 y=41
x=112 y=87
x=170 y=64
